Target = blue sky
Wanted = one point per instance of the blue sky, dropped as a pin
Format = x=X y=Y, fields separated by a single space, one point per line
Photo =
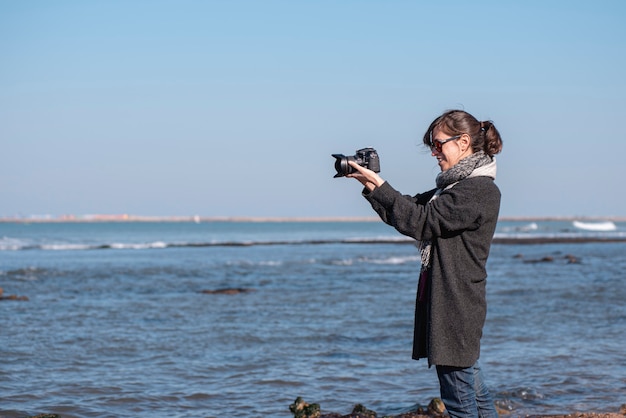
x=232 y=108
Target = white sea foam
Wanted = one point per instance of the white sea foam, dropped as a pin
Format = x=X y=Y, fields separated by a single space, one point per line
x=65 y=247
x=391 y=238
x=12 y=244
x=396 y=260
x=138 y=246
x=343 y=262
x=521 y=228
x=271 y=263
x=595 y=226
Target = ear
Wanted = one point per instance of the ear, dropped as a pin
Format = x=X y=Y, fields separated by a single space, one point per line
x=465 y=142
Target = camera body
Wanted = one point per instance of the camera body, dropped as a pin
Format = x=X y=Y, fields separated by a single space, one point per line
x=365 y=157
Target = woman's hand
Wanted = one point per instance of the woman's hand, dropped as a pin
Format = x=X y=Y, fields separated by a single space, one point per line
x=367 y=177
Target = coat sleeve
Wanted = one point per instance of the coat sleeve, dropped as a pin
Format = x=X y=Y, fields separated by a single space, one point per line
x=457 y=209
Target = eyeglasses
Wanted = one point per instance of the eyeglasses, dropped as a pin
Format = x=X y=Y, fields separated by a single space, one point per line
x=436 y=144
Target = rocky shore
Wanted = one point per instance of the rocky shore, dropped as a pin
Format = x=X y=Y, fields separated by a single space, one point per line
x=302 y=409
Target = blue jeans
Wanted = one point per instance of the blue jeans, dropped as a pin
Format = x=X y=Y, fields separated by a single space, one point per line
x=464 y=393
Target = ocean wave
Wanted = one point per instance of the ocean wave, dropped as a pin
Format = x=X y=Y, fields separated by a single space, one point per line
x=26 y=274
x=396 y=260
x=9 y=244
x=595 y=226
x=13 y=244
x=62 y=247
x=141 y=246
x=392 y=260
x=561 y=237
x=522 y=228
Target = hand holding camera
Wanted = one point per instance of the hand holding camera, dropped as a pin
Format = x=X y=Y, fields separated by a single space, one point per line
x=365 y=157
x=363 y=166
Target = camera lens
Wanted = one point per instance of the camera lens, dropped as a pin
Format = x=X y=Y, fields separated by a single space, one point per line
x=342 y=166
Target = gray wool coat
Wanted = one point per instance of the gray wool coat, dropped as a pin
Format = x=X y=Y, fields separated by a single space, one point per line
x=460 y=223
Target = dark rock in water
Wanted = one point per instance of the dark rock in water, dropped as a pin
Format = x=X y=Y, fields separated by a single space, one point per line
x=11 y=297
x=418 y=414
x=227 y=291
x=546 y=259
x=45 y=416
x=302 y=409
x=361 y=411
x=436 y=407
x=572 y=259
x=14 y=297
x=581 y=415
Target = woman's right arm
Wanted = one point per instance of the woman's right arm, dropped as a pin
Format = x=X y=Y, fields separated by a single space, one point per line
x=405 y=213
x=466 y=206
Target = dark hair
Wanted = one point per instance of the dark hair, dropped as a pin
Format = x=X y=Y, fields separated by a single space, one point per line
x=485 y=137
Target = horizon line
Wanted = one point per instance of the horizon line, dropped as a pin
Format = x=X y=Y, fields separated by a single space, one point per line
x=199 y=219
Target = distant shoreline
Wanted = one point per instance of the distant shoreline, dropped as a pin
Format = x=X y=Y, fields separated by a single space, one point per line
x=259 y=219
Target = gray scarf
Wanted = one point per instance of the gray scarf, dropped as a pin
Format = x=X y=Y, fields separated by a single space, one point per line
x=477 y=164
x=463 y=169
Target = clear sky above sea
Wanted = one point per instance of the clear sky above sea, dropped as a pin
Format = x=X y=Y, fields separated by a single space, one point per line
x=232 y=108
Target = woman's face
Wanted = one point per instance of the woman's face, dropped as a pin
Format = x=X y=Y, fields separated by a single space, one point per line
x=449 y=149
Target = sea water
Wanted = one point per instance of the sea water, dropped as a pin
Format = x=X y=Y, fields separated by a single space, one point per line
x=117 y=323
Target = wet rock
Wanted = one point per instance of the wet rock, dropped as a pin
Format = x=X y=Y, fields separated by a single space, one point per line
x=362 y=412
x=227 y=291
x=11 y=297
x=571 y=259
x=581 y=415
x=15 y=297
x=45 y=416
x=419 y=414
x=301 y=409
x=504 y=406
x=436 y=407
x=546 y=259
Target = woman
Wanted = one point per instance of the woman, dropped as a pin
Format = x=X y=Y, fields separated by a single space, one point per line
x=454 y=225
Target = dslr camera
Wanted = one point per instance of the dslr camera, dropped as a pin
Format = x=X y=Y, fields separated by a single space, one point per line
x=365 y=157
